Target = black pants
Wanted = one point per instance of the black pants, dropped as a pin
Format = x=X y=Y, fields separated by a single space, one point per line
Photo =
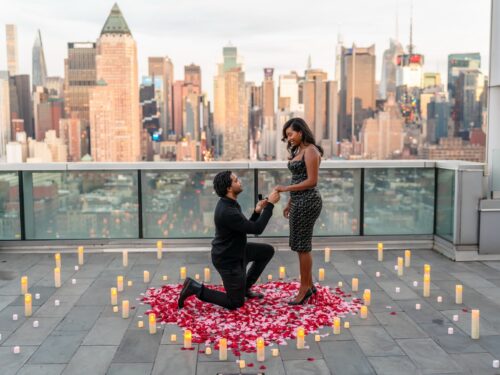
x=236 y=280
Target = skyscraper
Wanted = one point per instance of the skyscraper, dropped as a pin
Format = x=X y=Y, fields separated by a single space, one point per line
x=388 y=79
x=12 y=53
x=288 y=92
x=192 y=76
x=269 y=130
x=163 y=68
x=115 y=126
x=21 y=107
x=39 y=67
x=458 y=62
x=5 y=136
x=469 y=100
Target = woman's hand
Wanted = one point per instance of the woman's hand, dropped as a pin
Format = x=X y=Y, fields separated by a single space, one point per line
x=286 y=211
x=281 y=188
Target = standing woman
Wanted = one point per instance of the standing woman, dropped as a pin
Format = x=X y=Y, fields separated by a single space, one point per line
x=305 y=202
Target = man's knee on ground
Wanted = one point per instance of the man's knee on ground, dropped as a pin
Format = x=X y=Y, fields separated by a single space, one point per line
x=269 y=250
x=236 y=303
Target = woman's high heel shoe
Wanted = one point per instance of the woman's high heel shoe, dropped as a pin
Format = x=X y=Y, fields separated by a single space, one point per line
x=304 y=299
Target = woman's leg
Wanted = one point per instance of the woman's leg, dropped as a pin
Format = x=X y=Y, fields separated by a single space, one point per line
x=305 y=264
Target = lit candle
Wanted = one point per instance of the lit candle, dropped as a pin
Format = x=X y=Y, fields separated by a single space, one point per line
x=317 y=338
x=207 y=275
x=242 y=364
x=400 y=266
x=16 y=350
x=24 y=284
x=261 y=350
x=36 y=324
x=300 y=338
x=363 y=314
x=114 y=296
x=119 y=283
x=187 y=339
x=146 y=276
x=222 y=349
x=152 y=323
x=427 y=269
x=208 y=350
x=183 y=273
x=57 y=277
x=173 y=337
x=275 y=352
x=398 y=289
x=80 y=255
x=355 y=284
x=474 y=328
x=115 y=309
x=367 y=297
x=57 y=302
x=407 y=258
x=380 y=248
x=269 y=277
x=347 y=325
x=450 y=330
x=28 y=307
x=340 y=284
x=496 y=363
x=125 y=258
x=417 y=306
x=130 y=283
x=125 y=309
x=455 y=318
x=140 y=324
x=427 y=285
x=57 y=257
x=282 y=273
x=458 y=294
x=327 y=254
x=377 y=274
x=439 y=299
x=415 y=284
x=14 y=317
x=321 y=274
x=159 y=249
x=336 y=325
x=197 y=277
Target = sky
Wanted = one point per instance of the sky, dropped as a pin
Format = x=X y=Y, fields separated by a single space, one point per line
x=268 y=33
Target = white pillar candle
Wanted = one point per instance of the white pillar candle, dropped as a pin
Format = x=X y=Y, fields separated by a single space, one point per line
x=269 y=277
x=317 y=338
x=125 y=309
x=377 y=274
x=146 y=276
x=275 y=352
x=125 y=258
x=261 y=350
x=360 y=262
x=222 y=349
x=347 y=325
x=398 y=289
x=114 y=296
x=417 y=306
x=427 y=285
x=474 y=329
x=321 y=274
x=152 y=323
x=367 y=297
x=119 y=283
x=439 y=299
x=300 y=338
x=459 y=294
x=363 y=312
x=57 y=258
x=173 y=337
x=208 y=350
x=80 y=255
x=450 y=331
x=140 y=324
x=28 y=304
x=16 y=350
x=37 y=295
x=77 y=268
x=206 y=274
x=197 y=277
x=36 y=324
x=496 y=363
x=24 y=284
x=183 y=273
x=187 y=339
x=336 y=325
x=73 y=281
x=415 y=284
x=427 y=269
x=407 y=258
x=355 y=284
x=340 y=284
x=57 y=302
x=115 y=309
x=327 y=254
x=380 y=249
x=159 y=249
x=400 y=266
x=57 y=277
x=282 y=273
x=130 y=283
x=455 y=318
x=242 y=364
x=15 y=317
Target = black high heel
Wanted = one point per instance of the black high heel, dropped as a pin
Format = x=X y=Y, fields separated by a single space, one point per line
x=304 y=299
x=314 y=290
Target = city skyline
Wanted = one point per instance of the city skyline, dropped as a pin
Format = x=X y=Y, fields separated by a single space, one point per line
x=263 y=39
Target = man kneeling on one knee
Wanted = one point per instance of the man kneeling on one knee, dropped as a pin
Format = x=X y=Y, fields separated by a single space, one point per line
x=230 y=251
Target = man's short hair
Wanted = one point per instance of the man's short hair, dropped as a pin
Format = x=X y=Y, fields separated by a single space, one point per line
x=222 y=182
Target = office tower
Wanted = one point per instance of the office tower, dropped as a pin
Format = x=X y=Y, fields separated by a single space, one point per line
x=469 y=101
x=163 y=68
x=178 y=93
x=49 y=113
x=12 y=53
x=387 y=84
x=73 y=135
x=432 y=80
x=458 y=62
x=357 y=96
x=40 y=96
x=338 y=60
x=288 y=92
x=21 y=107
x=192 y=76
x=382 y=137
x=438 y=117
x=231 y=108
x=115 y=125
x=55 y=85
x=39 y=67
x=5 y=134
x=267 y=144
x=150 y=115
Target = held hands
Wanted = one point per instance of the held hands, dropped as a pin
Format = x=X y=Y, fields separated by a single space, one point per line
x=281 y=188
x=260 y=205
x=273 y=198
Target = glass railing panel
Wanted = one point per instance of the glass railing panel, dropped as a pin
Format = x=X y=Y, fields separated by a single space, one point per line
x=445 y=205
x=181 y=203
x=10 y=218
x=82 y=205
x=340 y=191
x=398 y=201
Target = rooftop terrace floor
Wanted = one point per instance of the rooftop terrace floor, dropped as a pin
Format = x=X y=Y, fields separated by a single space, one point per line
x=84 y=336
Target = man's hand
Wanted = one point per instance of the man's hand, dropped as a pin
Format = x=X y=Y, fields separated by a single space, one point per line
x=274 y=197
x=260 y=205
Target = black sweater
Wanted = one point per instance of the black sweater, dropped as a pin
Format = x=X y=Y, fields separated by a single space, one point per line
x=231 y=229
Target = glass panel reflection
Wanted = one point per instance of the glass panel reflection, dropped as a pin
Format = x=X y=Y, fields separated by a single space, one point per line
x=10 y=220
x=445 y=205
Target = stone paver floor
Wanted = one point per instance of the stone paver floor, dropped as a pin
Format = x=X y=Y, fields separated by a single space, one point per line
x=84 y=336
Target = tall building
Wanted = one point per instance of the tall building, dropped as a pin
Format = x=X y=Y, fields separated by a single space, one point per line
x=269 y=130
x=162 y=67
x=115 y=125
x=288 y=92
x=49 y=114
x=39 y=67
x=12 y=53
x=5 y=133
x=192 y=76
x=338 y=60
x=21 y=108
x=387 y=84
x=458 y=62
x=357 y=96
x=469 y=101
x=438 y=117
x=431 y=80
x=150 y=115
x=55 y=85
x=73 y=136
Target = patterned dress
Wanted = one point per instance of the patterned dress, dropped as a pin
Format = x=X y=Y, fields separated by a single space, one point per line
x=305 y=207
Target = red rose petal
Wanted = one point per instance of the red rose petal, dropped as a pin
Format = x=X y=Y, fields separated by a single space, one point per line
x=393 y=313
x=310 y=359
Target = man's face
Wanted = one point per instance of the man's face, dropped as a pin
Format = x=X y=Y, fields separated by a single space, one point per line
x=236 y=186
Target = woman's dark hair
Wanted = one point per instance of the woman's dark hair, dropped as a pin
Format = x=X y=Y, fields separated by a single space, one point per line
x=299 y=125
x=222 y=182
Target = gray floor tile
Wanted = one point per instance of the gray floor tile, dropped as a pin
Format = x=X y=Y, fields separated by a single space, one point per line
x=172 y=357
x=393 y=365
x=476 y=363
x=375 y=341
x=59 y=347
x=27 y=335
x=297 y=367
x=345 y=358
x=10 y=363
x=107 y=331
x=400 y=326
x=41 y=370
x=93 y=360
x=130 y=369
x=138 y=347
x=80 y=318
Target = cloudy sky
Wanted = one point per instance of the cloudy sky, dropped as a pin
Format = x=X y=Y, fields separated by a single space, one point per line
x=268 y=33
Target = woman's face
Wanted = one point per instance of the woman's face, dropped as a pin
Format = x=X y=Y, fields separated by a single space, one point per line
x=293 y=137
